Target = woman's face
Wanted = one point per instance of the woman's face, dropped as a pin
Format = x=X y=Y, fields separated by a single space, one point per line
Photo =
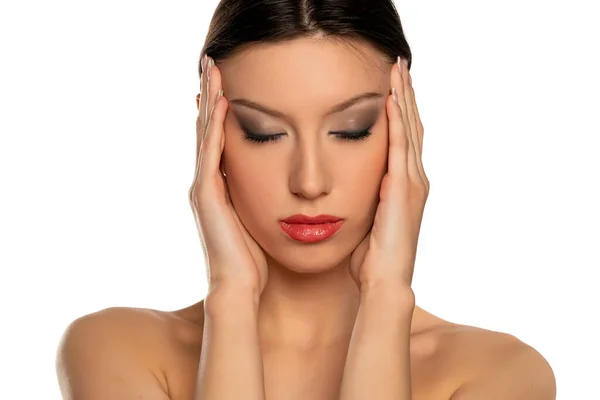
x=308 y=169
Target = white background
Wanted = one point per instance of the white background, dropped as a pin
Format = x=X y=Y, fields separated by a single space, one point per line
x=97 y=140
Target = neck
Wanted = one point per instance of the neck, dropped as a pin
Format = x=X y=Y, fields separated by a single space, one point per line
x=308 y=310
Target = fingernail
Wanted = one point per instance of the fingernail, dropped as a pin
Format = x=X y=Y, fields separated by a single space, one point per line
x=204 y=60
x=405 y=61
x=395 y=95
x=399 y=62
x=220 y=94
x=210 y=64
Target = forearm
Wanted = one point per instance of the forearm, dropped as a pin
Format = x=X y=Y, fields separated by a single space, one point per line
x=231 y=366
x=378 y=360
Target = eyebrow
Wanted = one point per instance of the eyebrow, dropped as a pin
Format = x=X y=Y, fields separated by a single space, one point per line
x=334 y=110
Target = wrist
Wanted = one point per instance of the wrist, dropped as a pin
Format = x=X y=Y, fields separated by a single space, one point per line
x=388 y=295
x=229 y=297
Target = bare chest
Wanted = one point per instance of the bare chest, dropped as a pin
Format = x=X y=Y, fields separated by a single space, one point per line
x=313 y=375
x=319 y=376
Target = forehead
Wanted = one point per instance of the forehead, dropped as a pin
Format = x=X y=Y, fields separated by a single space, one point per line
x=305 y=76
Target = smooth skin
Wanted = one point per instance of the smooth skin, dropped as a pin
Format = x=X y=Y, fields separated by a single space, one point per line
x=314 y=327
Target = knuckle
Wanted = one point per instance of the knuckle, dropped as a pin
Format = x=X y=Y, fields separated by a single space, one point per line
x=418 y=193
x=192 y=195
x=195 y=193
x=423 y=190
x=200 y=199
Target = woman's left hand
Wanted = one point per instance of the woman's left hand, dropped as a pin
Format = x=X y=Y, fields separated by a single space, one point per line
x=387 y=253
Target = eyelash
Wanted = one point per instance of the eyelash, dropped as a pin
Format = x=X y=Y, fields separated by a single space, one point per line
x=343 y=135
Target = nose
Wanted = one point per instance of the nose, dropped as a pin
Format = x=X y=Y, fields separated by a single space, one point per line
x=309 y=177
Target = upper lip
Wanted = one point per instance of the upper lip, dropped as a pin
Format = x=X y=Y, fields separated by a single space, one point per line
x=305 y=219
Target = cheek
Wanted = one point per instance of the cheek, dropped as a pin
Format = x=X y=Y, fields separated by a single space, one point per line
x=361 y=167
x=250 y=174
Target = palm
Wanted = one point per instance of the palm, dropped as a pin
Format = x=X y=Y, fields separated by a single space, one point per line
x=362 y=257
x=357 y=258
x=255 y=252
x=361 y=254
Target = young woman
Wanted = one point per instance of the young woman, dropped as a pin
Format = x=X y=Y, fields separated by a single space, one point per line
x=308 y=194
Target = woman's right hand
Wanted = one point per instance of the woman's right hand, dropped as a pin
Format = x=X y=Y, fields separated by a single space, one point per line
x=231 y=254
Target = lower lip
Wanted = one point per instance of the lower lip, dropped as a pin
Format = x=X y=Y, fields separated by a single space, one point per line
x=311 y=233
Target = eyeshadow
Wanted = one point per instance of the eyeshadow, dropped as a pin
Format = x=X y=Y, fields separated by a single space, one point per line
x=357 y=119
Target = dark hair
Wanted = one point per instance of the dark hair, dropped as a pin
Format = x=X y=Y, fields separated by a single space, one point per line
x=237 y=24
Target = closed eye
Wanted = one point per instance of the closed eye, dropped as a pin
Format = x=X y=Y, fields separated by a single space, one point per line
x=261 y=138
x=357 y=135
x=343 y=135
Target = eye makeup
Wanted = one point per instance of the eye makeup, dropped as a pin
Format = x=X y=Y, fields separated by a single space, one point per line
x=354 y=135
x=342 y=135
x=251 y=128
x=260 y=138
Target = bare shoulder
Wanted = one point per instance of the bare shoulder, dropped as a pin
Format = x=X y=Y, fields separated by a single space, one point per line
x=125 y=352
x=490 y=363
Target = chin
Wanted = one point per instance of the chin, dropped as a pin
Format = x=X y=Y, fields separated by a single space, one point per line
x=304 y=258
x=301 y=265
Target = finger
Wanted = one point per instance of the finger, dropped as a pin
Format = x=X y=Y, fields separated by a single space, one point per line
x=406 y=105
x=398 y=143
x=201 y=103
x=211 y=149
x=213 y=85
x=412 y=118
x=200 y=119
x=418 y=118
x=419 y=134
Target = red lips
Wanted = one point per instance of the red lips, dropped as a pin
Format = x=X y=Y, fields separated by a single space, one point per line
x=303 y=228
x=305 y=219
